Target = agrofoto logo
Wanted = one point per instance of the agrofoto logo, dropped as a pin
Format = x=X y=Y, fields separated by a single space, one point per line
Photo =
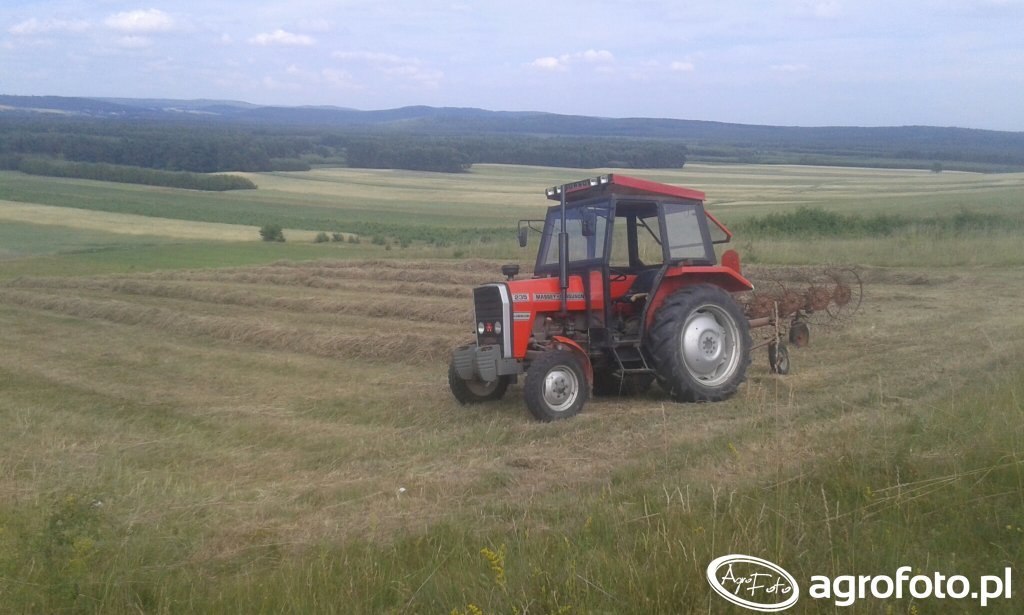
x=753 y=583
x=757 y=584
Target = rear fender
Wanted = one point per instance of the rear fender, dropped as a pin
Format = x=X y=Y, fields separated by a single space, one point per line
x=675 y=278
x=584 y=357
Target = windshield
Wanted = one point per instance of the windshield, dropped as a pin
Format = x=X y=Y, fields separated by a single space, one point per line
x=581 y=249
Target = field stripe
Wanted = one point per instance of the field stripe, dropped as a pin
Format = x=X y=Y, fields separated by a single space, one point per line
x=416 y=310
x=133 y=224
x=255 y=277
x=405 y=348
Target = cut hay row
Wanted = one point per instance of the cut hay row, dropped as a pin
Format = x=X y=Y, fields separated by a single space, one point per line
x=371 y=304
x=248 y=276
x=330 y=343
x=462 y=266
x=390 y=275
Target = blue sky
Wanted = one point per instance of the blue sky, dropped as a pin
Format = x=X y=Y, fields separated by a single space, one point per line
x=792 y=62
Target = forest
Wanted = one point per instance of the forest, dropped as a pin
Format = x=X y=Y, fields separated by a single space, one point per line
x=203 y=148
x=217 y=136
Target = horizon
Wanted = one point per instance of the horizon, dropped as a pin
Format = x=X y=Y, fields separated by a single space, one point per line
x=799 y=63
x=248 y=104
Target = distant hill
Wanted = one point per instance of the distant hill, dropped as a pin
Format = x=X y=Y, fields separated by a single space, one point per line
x=712 y=141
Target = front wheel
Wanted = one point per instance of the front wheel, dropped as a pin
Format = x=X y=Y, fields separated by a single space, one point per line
x=556 y=385
x=700 y=341
x=476 y=390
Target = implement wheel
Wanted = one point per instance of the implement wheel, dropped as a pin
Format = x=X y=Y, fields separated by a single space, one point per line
x=778 y=358
x=799 y=334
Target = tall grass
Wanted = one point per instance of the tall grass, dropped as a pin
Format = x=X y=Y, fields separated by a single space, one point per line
x=810 y=236
x=937 y=486
x=806 y=222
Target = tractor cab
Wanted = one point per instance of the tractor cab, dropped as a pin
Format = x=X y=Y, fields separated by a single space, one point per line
x=628 y=231
x=626 y=289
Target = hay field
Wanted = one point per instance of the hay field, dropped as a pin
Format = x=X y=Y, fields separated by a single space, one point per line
x=231 y=426
x=281 y=437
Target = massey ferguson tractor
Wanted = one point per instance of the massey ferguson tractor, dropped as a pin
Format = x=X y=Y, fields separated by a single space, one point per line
x=626 y=290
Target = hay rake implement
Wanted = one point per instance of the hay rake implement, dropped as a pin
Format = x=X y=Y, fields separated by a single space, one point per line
x=788 y=302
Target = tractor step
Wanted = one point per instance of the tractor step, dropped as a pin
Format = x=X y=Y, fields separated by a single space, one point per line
x=631 y=360
x=639 y=370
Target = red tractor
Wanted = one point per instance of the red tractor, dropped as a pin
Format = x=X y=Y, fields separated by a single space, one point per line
x=626 y=289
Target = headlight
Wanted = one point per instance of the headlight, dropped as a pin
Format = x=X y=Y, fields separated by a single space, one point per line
x=480 y=328
x=497 y=327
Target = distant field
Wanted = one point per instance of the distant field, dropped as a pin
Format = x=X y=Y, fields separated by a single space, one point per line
x=192 y=420
x=473 y=214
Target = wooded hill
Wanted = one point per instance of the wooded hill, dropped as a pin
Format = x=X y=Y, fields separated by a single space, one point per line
x=207 y=135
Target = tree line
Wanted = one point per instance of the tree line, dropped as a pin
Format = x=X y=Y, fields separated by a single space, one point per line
x=214 y=146
x=208 y=148
x=128 y=174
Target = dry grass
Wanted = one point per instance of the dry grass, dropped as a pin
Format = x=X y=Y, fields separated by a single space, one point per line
x=387 y=305
x=195 y=309
x=224 y=405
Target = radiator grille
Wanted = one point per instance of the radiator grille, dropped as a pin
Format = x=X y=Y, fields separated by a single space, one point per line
x=489 y=310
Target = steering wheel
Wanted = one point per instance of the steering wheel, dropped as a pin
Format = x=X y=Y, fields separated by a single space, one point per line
x=617 y=274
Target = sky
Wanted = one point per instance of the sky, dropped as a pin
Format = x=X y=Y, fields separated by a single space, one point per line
x=788 y=62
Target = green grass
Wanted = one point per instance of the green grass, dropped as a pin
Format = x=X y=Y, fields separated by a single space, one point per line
x=484 y=204
x=19 y=239
x=365 y=214
x=473 y=214
x=124 y=257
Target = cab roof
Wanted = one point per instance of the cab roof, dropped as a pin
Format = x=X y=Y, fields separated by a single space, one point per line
x=623 y=185
x=620 y=185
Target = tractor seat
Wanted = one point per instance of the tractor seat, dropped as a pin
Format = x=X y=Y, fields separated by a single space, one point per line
x=641 y=285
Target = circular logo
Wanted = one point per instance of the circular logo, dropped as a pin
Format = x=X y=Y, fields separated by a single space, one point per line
x=753 y=583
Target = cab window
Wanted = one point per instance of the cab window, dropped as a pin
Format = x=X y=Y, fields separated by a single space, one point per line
x=685 y=233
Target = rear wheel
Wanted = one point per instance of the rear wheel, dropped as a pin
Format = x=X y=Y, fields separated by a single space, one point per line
x=556 y=385
x=700 y=341
x=475 y=391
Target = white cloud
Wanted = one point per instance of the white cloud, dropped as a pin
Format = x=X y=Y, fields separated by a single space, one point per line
x=391 y=65
x=339 y=78
x=149 y=20
x=282 y=37
x=596 y=55
x=34 y=26
x=564 y=61
x=548 y=63
x=682 y=67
